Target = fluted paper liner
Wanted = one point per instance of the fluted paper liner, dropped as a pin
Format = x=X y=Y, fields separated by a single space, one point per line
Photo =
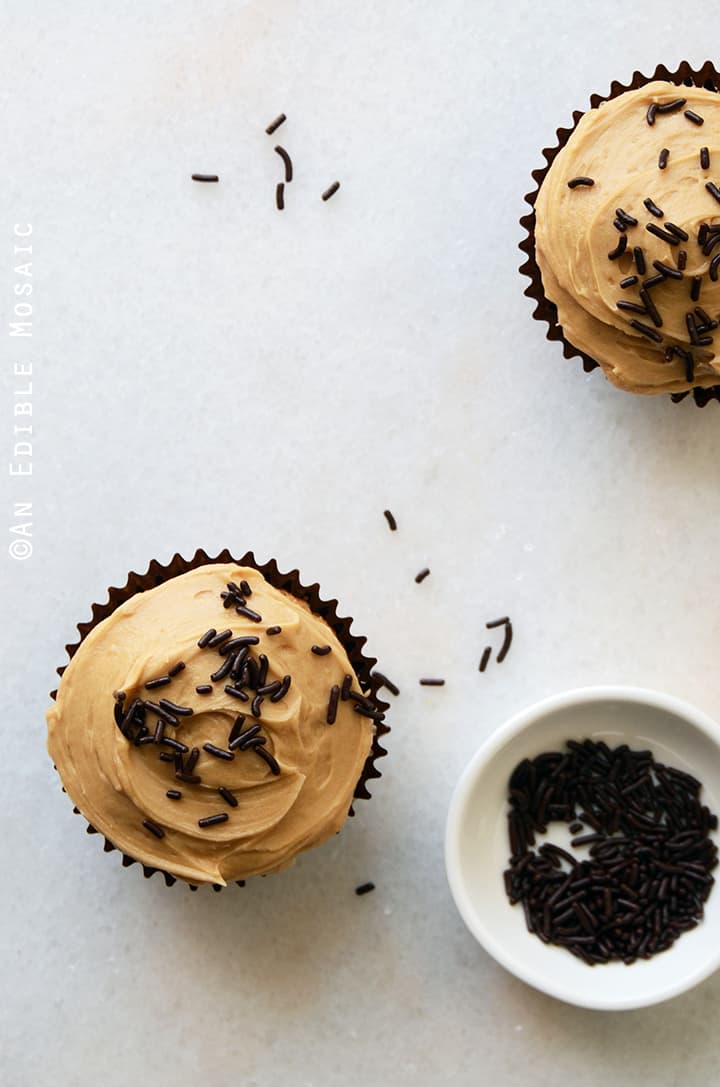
x=706 y=76
x=290 y=582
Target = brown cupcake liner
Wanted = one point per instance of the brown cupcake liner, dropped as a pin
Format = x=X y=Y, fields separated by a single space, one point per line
x=157 y=573
x=706 y=76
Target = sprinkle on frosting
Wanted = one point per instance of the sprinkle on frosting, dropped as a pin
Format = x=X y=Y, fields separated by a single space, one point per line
x=577 y=182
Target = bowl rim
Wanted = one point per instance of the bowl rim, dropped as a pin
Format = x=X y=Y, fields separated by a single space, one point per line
x=457 y=811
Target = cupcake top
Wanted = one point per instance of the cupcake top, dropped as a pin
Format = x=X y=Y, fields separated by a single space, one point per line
x=212 y=727
x=627 y=237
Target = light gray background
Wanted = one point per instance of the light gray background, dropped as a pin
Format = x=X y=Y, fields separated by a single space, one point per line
x=210 y=372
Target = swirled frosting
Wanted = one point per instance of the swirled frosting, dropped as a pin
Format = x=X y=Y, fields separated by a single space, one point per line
x=617 y=147
x=117 y=778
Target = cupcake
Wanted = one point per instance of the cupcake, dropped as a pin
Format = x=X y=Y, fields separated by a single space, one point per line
x=624 y=244
x=216 y=719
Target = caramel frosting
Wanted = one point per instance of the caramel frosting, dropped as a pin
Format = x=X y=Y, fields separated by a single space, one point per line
x=620 y=147
x=294 y=796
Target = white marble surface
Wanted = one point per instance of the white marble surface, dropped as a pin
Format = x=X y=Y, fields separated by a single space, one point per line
x=210 y=372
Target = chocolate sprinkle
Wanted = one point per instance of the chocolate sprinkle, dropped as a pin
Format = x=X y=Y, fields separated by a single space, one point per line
x=205 y=177
x=192 y=760
x=331 y=714
x=153 y=828
x=205 y=640
x=430 y=682
x=387 y=683
x=625 y=217
x=248 y=613
x=714 y=263
x=663 y=158
x=280 y=196
x=651 y=113
x=345 y=689
x=282 y=690
x=175 y=745
x=639 y=260
x=176 y=669
x=218 y=752
x=331 y=190
x=422 y=574
x=237 y=729
x=188 y=779
x=619 y=249
x=272 y=763
x=218 y=639
x=243 y=738
x=172 y=707
x=364 y=888
x=672 y=107
x=236 y=692
x=667 y=270
x=245 y=588
x=629 y=281
x=161 y=681
x=646 y=331
x=631 y=307
x=273 y=630
x=653 y=208
x=713 y=190
x=228 y=796
x=682 y=260
x=651 y=308
x=677 y=231
x=204 y=688
x=256 y=704
x=575 y=182
x=390 y=520
x=704 y=158
x=695 y=288
x=212 y=820
x=664 y=235
x=173 y=794
x=275 y=124
x=484 y=660
x=694 y=117
x=287 y=161
x=320 y=650
x=241 y=642
x=653 y=281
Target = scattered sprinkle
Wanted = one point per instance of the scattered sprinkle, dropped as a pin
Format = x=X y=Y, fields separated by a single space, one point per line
x=228 y=796
x=430 y=682
x=575 y=182
x=273 y=630
x=218 y=752
x=663 y=158
x=653 y=208
x=364 y=888
x=390 y=520
x=173 y=794
x=704 y=158
x=331 y=190
x=645 y=330
x=422 y=575
x=321 y=650
x=280 y=196
x=205 y=177
x=694 y=117
x=484 y=660
x=287 y=161
x=204 y=688
x=275 y=124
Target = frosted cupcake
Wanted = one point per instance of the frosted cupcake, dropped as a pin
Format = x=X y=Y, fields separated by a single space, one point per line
x=625 y=244
x=214 y=726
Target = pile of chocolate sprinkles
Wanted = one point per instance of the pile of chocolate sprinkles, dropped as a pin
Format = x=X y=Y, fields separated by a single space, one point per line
x=245 y=678
x=646 y=313
x=647 y=872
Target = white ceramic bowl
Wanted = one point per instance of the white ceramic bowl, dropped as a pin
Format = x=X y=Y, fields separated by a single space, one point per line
x=477 y=850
